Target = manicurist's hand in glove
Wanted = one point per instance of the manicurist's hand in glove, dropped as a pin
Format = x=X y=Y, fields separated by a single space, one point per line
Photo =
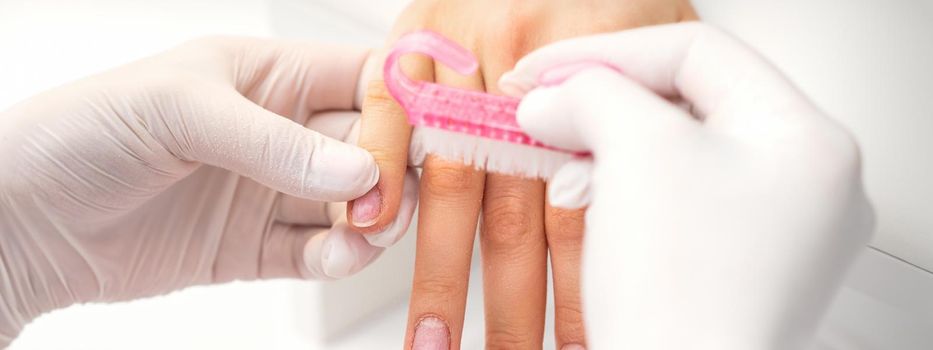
x=724 y=225
x=205 y=164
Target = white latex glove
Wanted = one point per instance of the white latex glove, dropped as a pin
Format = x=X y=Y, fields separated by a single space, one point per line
x=730 y=229
x=167 y=173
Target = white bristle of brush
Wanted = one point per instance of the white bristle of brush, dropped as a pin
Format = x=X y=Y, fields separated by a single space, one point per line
x=487 y=154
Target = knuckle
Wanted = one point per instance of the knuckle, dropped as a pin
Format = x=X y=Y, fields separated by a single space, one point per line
x=506 y=229
x=509 y=338
x=390 y=160
x=507 y=221
x=513 y=31
x=570 y=317
x=443 y=179
x=378 y=101
x=438 y=287
x=377 y=92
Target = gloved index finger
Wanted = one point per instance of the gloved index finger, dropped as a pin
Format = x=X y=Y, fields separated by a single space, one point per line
x=693 y=61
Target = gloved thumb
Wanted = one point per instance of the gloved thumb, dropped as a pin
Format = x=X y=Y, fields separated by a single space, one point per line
x=233 y=133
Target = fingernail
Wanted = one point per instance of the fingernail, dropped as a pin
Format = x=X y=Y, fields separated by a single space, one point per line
x=366 y=209
x=572 y=347
x=431 y=334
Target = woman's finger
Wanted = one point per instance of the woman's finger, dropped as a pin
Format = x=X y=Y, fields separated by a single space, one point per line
x=451 y=195
x=385 y=133
x=565 y=242
x=450 y=203
x=514 y=262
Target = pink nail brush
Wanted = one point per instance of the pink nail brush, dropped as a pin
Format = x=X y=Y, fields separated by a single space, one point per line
x=470 y=126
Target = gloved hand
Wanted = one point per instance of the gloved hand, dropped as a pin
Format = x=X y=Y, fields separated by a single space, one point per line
x=191 y=167
x=727 y=228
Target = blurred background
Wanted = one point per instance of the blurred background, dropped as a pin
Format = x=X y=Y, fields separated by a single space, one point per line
x=865 y=62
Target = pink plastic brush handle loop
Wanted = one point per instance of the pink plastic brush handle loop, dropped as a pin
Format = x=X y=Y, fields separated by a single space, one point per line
x=438 y=106
x=434 y=45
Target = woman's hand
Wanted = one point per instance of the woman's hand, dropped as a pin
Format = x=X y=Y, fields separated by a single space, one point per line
x=518 y=229
x=209 y=163
x=727 y=228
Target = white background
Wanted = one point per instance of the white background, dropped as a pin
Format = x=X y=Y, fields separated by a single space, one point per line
x=865 y=62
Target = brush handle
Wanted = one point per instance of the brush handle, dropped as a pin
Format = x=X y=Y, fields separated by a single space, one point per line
x=458 y=110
